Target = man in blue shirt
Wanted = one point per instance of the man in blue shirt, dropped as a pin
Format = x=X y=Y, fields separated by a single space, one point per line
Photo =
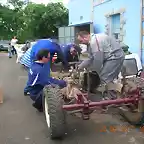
x=38 y=78
x=41 y=44
x=71 y=52
x=30 y=54
x=53 y=48
x=63 y=53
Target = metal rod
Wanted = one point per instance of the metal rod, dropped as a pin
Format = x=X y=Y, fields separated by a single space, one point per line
x=141 y=28
x=88 y=82
x=101 y=103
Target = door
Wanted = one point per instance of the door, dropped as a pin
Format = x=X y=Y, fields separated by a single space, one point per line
x=66 y=34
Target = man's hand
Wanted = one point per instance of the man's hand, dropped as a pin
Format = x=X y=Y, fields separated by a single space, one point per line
x=79 y=68
x=60 y=83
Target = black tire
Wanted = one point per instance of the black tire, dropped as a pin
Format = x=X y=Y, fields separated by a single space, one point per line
x=134 y=117
x=53 y=99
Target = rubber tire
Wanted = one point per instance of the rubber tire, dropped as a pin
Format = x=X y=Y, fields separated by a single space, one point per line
x=134 y=118
x=56 y=113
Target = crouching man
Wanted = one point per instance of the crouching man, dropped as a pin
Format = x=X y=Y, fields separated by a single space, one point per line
x=38 y=78
x=71 y=52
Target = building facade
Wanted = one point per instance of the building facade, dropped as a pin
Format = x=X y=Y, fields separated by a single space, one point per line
x=121 y=18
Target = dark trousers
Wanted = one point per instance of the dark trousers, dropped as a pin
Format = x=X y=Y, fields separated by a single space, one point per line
x=37 y=100
x=93 y=82
x=14 y=52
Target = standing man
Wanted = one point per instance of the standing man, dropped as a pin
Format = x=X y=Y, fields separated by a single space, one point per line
x=104 y=51
x=13 y=43
x=10 y=51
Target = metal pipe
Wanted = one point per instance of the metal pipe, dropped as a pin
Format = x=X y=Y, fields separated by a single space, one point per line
x=101 y=103
x=92 y=10
x=141 y=28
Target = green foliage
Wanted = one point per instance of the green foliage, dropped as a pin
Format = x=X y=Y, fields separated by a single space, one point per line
x=125 y=48
x=31 y=21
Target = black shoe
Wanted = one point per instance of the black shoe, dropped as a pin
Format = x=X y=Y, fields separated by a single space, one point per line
x=26 y=93
x=38 y=108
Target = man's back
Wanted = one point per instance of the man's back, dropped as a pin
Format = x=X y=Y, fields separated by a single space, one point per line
x=45 y=44
x=106 y=44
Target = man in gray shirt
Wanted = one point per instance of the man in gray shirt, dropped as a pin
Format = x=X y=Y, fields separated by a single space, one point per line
x=105 y=55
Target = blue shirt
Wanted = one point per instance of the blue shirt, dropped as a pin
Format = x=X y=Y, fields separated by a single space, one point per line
x=65 y=48
x=45 y=44
x=31 y=53
x=37 y=78
x=25 y=60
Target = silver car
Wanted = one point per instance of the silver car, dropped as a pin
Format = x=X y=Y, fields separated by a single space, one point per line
x=4 y=46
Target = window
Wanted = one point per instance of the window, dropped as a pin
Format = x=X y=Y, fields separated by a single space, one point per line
x=115 y=25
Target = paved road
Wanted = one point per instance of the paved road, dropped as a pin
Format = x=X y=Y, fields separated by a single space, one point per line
x=20 y=123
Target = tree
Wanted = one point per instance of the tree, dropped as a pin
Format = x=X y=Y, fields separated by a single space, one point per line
x=125 y=48
x=31 y=21
x=55 y=15
x=6 y=22
x=16 y=4
x=31 y=17
x=42 y=21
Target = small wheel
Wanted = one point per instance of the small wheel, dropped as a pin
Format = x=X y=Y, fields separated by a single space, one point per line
x=54 y=114
x=134 y=115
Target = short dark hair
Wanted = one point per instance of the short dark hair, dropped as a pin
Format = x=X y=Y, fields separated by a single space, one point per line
x=78 y=49
x=42 y=53
x=82 y=33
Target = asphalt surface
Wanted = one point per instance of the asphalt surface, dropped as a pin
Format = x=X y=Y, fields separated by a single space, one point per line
x=20 y=123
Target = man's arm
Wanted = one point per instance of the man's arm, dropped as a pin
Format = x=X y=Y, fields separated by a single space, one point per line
x=86 y=63
x=40 y=79
x=51 y=81
x=60 y=83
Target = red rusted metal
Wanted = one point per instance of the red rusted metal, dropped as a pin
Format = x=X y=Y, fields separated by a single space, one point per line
x=81 y=98
x=84 y=106
x=101 y=103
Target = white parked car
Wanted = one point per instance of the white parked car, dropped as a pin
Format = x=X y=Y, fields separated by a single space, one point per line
x=132 y=66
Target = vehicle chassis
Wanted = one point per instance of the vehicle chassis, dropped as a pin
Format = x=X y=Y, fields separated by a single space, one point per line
x=85 y=106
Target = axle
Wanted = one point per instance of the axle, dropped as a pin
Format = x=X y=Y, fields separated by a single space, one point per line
x=92 y=105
